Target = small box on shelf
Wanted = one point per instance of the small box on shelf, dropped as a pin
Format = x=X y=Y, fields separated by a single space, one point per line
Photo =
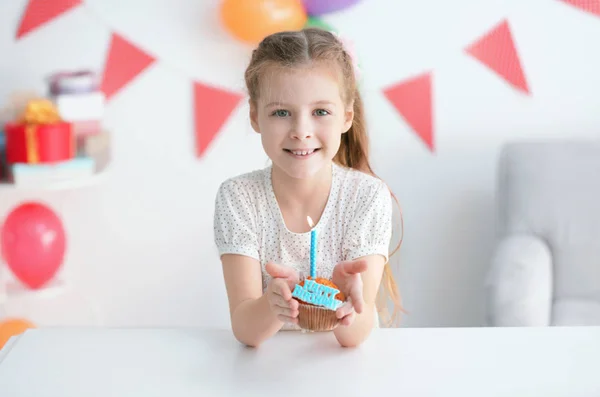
x=83 y=111
x=79 y=100
x=96 y=146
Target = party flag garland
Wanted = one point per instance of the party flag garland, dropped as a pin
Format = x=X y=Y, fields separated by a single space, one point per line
x=412 y=97
x=591 y=6
x=40 y=12
x=212 y=108
x=124 y=63
x=496 y=50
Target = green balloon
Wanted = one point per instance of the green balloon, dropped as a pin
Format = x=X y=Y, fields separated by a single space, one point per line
x=314 y=22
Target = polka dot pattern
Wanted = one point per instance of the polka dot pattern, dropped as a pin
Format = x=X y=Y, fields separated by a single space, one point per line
x=357 y=221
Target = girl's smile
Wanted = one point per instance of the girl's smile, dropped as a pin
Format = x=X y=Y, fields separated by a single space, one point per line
x=301 y=154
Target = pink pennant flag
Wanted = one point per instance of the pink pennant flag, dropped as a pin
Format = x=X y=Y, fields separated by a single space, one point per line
x=591 y=6
x=496 y=50
x=212 y=108
x=412 y=98
x=40 y=12
x=124 y=63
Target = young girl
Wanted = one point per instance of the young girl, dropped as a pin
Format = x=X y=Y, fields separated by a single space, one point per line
x=305 y=104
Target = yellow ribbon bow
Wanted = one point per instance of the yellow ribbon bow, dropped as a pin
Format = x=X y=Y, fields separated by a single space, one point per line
x=40 y=111
x=37 y=111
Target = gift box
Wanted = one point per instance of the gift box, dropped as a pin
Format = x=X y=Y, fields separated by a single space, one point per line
x=96 y=146
x=80 y=107
x=85 y=128
x=78 y=81
x=79 y=100
x=84 y=111
x=39 y=136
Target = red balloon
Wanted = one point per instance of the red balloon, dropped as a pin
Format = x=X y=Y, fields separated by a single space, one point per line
x=33 y=243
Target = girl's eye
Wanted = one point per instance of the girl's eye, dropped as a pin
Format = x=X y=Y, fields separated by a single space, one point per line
x=321 y=112
x=281 y=113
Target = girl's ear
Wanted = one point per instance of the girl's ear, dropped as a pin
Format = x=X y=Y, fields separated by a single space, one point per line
x=253 y=116
x=348 y=117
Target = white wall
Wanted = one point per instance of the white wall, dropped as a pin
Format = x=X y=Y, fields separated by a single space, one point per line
x=150 y=259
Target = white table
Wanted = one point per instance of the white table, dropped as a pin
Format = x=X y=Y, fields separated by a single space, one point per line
x=393 y=362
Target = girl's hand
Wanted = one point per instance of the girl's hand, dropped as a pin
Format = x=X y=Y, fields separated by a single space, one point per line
x=279 y=292
x=346 y=276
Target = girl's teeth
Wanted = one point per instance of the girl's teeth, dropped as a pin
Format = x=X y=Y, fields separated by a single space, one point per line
x=303 y=152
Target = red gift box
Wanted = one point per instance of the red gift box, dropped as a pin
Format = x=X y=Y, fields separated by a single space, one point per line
x=39 y=143
x=39 y=135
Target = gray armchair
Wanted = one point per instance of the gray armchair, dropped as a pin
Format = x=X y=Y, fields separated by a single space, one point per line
x=545 y=270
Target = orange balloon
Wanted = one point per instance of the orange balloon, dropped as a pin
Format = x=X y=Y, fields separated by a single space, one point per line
x=253 y=20
x=12 y=327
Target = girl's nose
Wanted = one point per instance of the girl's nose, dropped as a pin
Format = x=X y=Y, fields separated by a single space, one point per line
x=302 y=128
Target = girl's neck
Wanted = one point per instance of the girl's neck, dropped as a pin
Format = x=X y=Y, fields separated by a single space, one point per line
x=299 y=198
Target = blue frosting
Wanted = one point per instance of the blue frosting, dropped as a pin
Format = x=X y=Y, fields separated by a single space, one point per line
x=317 y=294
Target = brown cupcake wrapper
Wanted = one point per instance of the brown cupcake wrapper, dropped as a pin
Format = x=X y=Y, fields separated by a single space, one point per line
x=315 y=318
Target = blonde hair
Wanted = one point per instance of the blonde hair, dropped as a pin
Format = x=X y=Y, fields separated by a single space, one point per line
x=292 y=49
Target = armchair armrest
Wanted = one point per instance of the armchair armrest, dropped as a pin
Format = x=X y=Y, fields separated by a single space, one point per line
x=519 y=284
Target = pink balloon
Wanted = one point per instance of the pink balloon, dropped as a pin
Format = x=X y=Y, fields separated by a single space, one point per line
x=33 y=243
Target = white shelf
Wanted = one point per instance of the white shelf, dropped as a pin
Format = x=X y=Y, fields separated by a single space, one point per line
x=12 y=289
x=57 y=303
x=15 y=289
x=58 y=185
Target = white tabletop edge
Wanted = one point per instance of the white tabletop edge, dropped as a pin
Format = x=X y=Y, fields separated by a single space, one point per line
x=416 y=362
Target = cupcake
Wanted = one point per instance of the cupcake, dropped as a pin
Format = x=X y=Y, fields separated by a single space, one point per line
x=318 y=299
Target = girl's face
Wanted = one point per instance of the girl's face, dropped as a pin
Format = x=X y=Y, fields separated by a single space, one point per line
x=301 y=117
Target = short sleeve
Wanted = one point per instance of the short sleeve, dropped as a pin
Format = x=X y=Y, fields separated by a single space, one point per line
x=235 y=221
x=370 y=231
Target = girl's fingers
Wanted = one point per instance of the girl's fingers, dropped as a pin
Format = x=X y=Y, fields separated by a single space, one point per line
x=287 y=319
x=346 y=313
x=286 y=312
x=282 y=289
x=344 y=310
x=293 y=304
x=348 y=320
x=357 y=298
x=348 y=268
x=278 y=300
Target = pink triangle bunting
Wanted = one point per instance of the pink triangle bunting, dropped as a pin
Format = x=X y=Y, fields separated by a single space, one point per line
x=591 y=6
x=124 y=63
x=496 y=50
x=412 y=98
x=40 y=12
x=212 y=108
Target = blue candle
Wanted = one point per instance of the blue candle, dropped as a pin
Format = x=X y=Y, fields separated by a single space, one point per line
x=313 y=254
x=313 y=250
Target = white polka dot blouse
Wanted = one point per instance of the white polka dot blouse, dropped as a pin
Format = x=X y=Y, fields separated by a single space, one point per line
x=357 y=221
